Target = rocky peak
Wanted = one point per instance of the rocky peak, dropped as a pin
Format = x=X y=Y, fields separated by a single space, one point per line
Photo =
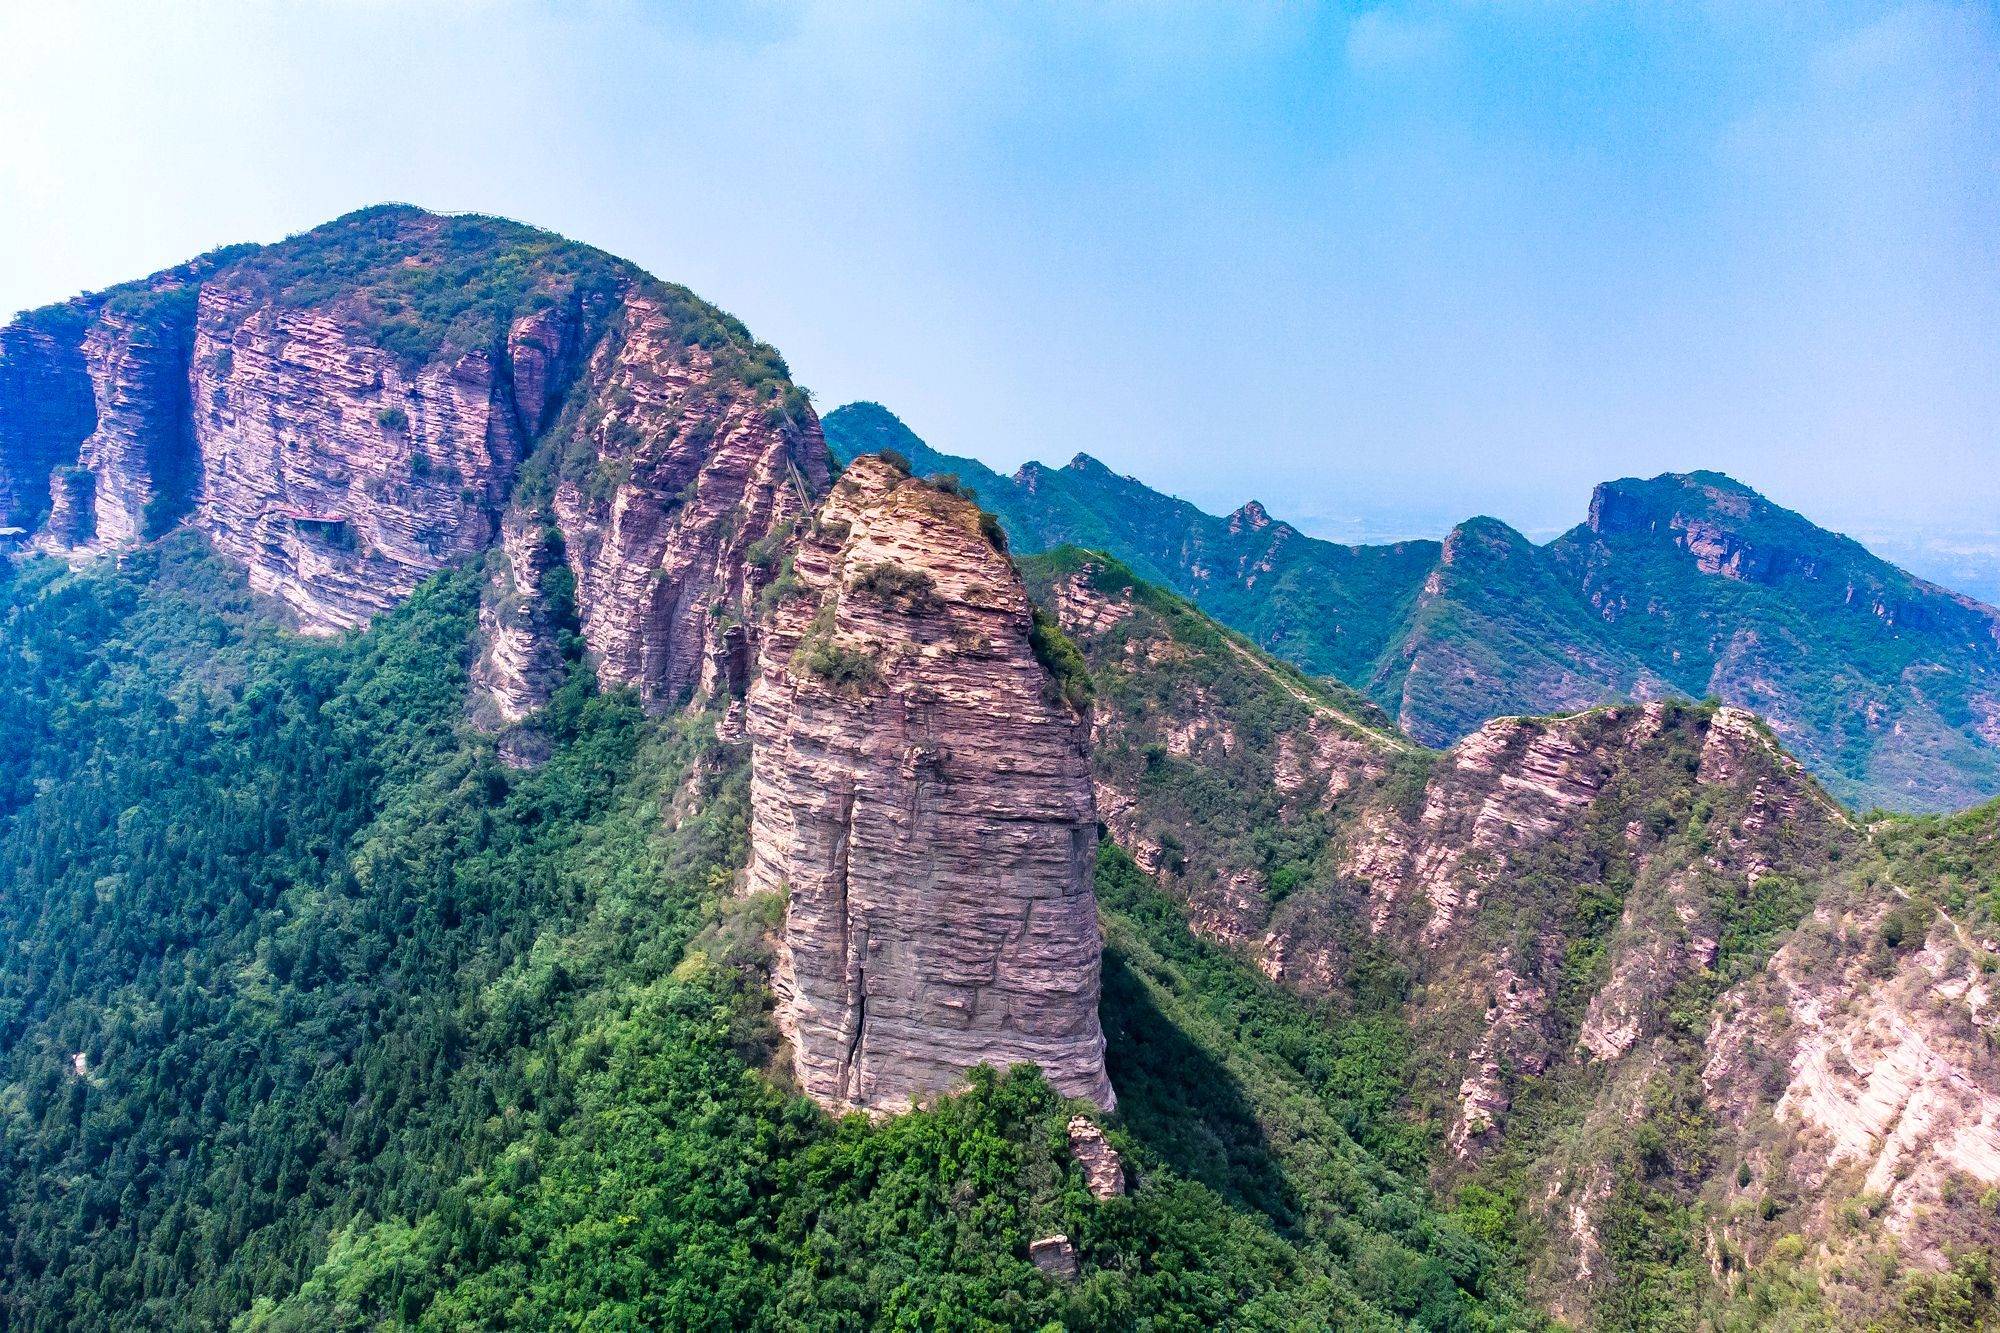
x=1724 y=526
x=1482 y=538
x=921 y=795
x=1631 y=504
x=1252 y=517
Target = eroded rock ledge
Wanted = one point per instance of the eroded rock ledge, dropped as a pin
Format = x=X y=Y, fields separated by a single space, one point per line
x=922 y=796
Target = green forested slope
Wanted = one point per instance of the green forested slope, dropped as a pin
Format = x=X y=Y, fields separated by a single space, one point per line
x=1616 y=1174
x=314 y=1015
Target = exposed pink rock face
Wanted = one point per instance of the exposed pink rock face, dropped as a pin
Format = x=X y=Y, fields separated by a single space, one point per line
x=520 y=660
x=685 y=478
x=1056 y=1256
x=544 y=351
x=46 y=410
x=1511 y=784
x=1227 y=709
x=342 y=466
x=142 y=453
x=340 y=478
x=1869 y=1091
x=1832 y=1078
x=922 y=797
x=1518 y=797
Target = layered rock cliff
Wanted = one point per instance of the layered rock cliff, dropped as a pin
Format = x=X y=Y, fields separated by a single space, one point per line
x=46 y=409
x=676 y=468
x=350 y=411
x=340 y=477
x=921 y=796
x=142 y=454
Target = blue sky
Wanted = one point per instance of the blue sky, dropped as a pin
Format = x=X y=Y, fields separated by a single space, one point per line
x=1381 y=266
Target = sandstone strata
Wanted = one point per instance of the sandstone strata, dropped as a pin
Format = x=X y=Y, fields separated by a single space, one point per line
x=686 y=475
x=141 y=453
x=261 y=395
x=338 y=476
x=1476 y=882
x=1055 y=1255
x=921 y=795
x=521 y=620
x=1868 y=1089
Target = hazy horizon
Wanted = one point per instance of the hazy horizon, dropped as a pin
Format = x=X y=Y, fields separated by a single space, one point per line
x=1377 y=266
x=1965 y=560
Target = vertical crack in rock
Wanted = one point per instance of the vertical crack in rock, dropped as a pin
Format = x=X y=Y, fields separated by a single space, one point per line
x=854 y=945
x=922 y=796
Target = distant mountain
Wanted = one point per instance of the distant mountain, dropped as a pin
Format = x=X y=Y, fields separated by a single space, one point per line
x=1886 y=685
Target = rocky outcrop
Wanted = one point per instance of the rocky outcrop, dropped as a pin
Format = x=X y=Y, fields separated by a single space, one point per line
x=72 y=518
x=1858 y=1085
x=522 y=618
x=683 y=487
x=141 y=455
x=1528 y=822
x=921 y=796
x=46 y=409
x=1268 y=749
x=1509 y=786
x=1056 y=1256
x=1103 y=1168
x=1562 y=900
x=338 y=476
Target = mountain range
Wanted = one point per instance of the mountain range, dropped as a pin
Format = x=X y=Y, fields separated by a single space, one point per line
x=1688 y=584
x=511 y=822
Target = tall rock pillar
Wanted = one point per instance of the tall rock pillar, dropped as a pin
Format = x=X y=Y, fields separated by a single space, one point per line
x=921 y=794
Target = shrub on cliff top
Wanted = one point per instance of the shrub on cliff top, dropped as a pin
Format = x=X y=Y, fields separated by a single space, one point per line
x=912 y=590
x=1069 y=676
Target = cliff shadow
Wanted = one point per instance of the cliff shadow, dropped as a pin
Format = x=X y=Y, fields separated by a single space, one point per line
x=1184 y=1104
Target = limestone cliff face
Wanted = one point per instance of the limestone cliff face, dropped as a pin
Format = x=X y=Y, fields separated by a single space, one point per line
x=921 y=795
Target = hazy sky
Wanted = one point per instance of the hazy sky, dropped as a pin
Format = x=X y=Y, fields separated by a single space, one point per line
x=1393 y=264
